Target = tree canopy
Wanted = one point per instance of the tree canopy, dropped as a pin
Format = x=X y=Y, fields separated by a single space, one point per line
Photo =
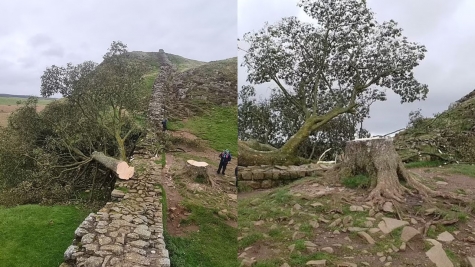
x=340 y=64
x=108 y=94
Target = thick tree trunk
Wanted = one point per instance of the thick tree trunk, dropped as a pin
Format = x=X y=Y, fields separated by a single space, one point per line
x=197 y=170
x=377 y=159
x=123 y=170
x=250 y=155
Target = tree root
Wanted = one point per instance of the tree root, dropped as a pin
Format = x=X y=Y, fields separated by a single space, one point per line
x=387 y=191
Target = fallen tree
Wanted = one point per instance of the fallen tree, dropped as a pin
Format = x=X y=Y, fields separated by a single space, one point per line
x=121 y=168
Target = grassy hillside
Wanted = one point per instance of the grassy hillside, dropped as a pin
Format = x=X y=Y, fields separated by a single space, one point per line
x=33 y=235
x=447 y=136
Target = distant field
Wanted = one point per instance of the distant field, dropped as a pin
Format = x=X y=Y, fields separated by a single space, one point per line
x=14 y=100
x=9 y=104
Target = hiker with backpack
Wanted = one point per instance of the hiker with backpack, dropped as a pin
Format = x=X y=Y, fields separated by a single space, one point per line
x=225 y=157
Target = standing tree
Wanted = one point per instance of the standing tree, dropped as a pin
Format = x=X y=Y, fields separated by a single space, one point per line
x=340 y=64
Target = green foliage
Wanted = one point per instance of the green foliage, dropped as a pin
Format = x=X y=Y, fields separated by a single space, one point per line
x=219 y=127
x=358 y=181
x=213 y=245
x=34 y=235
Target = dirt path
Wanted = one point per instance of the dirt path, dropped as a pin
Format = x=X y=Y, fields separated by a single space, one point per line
x=174 y=164
x=443 y=181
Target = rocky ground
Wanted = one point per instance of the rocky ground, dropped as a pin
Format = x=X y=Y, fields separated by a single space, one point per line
x=316 y=223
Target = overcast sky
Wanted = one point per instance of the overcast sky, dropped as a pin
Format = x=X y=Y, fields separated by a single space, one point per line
x=444 y=27
x=37 y=34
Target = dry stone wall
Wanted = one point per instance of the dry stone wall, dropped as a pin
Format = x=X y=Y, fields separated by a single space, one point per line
x=263 y=177
x=128 y=231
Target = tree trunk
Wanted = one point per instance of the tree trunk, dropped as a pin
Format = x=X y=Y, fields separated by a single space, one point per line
x=377 y=159
x=250 y=155
x=123 y=170
x=197 y=171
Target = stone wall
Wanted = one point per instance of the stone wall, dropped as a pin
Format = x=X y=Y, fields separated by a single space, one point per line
x=263 y=177
x=128 y=231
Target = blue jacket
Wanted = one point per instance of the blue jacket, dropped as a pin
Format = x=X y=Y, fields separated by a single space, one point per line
x=225 y=158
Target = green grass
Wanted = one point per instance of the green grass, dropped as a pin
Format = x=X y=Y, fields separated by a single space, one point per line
x=213 y=245
x=175 y=125
x=219 y=127
x=13 y=100
x=359 y=181
x=33 y=235
x=182 y=63
x=464 y=169
x=424 y=164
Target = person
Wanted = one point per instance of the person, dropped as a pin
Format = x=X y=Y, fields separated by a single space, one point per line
x=164 y=124
x=225 y=157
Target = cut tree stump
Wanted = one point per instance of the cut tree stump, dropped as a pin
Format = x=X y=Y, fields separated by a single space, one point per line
x=197 y=170
x=121 y=168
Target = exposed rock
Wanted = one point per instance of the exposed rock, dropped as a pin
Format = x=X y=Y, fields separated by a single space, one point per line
x=69 y=253
x=438 y=256
x=408 y=233
x=317 y=263
x=387 y=225
x=471 y=261
x=367 y=237
x=328 y=250
x=388 y=207
x=93 y=262
x=445 y=237
x=356 y=208
x=139 y=243
x=314 y=224
x=117 y=193
x=309 y=244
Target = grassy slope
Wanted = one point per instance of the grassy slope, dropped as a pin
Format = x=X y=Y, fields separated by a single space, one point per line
x=215 y=243
x=184 y=63
x=427 y=134
x=33 y=235
x=219 y=127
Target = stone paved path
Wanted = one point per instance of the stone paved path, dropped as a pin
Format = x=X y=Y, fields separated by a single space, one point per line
x=127 y=232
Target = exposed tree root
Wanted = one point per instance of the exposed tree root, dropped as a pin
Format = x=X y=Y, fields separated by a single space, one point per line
x=378 y=159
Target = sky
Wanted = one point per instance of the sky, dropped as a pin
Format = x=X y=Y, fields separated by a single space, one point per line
x=444 y=27
x=37 y=34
